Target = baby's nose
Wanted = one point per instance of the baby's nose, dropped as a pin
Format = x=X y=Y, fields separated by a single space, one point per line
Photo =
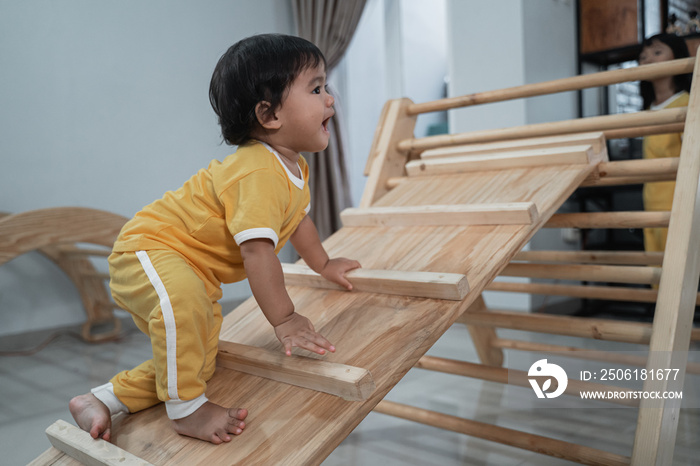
x=330 y=101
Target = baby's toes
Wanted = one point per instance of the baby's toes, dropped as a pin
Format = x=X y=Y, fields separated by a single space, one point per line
x=239 y=414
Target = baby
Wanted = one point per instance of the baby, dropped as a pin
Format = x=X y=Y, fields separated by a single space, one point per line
x=226 y=223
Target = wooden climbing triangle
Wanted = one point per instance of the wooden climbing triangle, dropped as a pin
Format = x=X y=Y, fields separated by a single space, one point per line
x=438 y=212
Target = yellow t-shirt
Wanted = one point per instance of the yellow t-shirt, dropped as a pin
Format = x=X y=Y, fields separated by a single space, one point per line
x=659 y=195
x=251 y=194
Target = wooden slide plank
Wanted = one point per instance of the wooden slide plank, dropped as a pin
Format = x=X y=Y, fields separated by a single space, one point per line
x=525 y=158
x=80 y=445
x=595 y=139
x=451 y=286
x=385 y=334
x=513 y=213
x=348 y=382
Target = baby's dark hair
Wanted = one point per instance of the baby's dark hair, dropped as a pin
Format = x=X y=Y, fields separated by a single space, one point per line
x=258 y=68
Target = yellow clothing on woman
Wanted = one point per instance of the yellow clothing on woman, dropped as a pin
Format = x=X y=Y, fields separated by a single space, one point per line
x=658 y=196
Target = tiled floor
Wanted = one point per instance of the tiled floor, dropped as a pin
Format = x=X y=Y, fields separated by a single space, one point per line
x=34 y=392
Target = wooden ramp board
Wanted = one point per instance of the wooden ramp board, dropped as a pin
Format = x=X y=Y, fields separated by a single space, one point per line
x=382 y=333
x=452 y=286
x=596 y=140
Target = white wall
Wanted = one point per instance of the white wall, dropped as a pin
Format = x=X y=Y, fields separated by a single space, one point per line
x=494 y=45
x=105 y=105
x=360 y=78
x=399 y=50
x=547 y=59
x=485 y=41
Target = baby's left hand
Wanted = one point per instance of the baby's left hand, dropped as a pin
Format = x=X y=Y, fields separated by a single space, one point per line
x=335 y=269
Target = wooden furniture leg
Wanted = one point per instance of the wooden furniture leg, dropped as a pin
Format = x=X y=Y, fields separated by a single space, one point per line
x=483 y=337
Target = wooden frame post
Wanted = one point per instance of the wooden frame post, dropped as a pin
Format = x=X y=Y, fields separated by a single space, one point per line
x=483 y=337
x=658 y=418
x=385 y=159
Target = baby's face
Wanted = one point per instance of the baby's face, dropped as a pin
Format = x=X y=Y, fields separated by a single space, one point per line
x=655 y=53
x=306 y=111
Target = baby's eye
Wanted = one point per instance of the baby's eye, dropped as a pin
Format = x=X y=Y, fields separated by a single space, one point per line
x=317 y=90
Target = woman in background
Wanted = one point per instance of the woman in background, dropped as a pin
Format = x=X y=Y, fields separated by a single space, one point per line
x=666 y=92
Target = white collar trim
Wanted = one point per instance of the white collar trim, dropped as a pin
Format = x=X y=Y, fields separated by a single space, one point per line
x=298 y=182
x=667 y=101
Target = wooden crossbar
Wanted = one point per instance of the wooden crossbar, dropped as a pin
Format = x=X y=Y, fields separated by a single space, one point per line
x=498 y=161
x=596 y=140
x=647 y=219
x=78 y=444
x=76 y=251
x=348 y=382
x=640 y=131
x=574 y=83
x=526 y=441
x=633 y=172
x=514 y=213
x=581 y=353
x=597 y=329
x=516 y=377
x=593 y=257
x=607 y=173
x=590 y=273
x=626 y=180
x=598 y=123
x=451 y=286
x=613 y=293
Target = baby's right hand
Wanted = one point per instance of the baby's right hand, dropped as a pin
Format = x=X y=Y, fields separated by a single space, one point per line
x=299 y=331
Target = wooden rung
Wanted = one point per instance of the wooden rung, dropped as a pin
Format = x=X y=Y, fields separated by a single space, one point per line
x=502 y=160
x=100 y=275
x=517 y=213
x=80 y=445
x=591 y=273
x=613 y=293
x=610 y=220
x=585 y=81
x=621 y=180
x=76 y=251
x=596 y=140
x=515 y=438
x=450 y=286
x=590 y=182
x=640 y=131
x=597 y=329
x=639 y=167
x=596 y=123
x=582 y=353
x=593 y=257
x=633 y=171
x=515 y=377
x=348 y=382
x=107 y=305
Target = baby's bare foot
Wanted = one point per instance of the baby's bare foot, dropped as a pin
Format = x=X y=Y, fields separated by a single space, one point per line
x=91 y=415
x=212 y=423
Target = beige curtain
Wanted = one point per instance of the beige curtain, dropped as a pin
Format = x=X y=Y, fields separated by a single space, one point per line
x=330 y=24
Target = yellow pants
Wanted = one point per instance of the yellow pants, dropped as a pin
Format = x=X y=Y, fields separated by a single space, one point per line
x=179 y=311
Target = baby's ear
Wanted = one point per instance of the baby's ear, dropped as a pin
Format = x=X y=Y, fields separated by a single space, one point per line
x=266 y=116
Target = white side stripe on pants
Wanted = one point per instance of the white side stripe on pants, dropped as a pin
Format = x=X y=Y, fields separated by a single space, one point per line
x=169 y=320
